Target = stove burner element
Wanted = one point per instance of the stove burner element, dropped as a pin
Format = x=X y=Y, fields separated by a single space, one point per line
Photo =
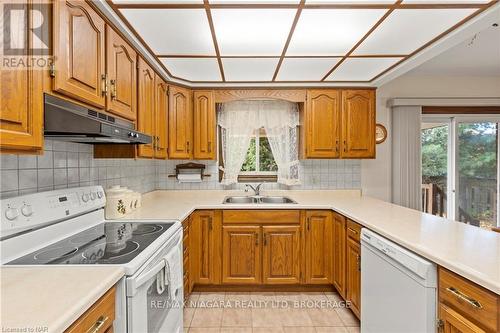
x=147 y=229
x=55 y=253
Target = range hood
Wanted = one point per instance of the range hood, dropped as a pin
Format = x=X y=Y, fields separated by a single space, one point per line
x=68 y=121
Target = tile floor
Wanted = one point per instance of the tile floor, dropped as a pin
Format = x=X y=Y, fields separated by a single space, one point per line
x=259 y=312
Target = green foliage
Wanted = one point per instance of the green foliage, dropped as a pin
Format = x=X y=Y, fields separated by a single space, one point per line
x=434 y=152
x=266 y=158
x=478 y=150
x=249 y=164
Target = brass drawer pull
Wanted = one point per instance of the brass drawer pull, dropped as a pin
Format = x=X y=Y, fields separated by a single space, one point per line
x=464 y=297
x=98 y=325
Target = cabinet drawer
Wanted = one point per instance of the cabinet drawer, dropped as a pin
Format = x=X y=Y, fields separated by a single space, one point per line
x=99 y=318
x=353 y=230
x=470 y=300
x=261 y=216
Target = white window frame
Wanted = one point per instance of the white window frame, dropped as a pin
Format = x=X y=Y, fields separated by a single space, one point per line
x=453 y=122
x=257 y=171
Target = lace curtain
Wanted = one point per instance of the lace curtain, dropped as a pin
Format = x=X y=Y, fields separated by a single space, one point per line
x=240 y=119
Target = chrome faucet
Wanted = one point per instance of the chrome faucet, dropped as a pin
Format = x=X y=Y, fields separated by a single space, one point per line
x=255 y=189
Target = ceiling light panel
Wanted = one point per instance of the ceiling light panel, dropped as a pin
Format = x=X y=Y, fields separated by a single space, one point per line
x=350 y=2
x=252 y=31
x=305 y=69
x=445 y=1
x=361 y=69
x=173 y=31
x=160 y=2
x=193 y=69
x=406 y=30
x=331 y=31
x=249 y=69
x=254 y=2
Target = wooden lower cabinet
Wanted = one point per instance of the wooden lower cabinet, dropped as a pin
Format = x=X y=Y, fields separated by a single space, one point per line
x=339 y=254
x=466 y=307
x=353 y=266
x=318 y=247
x=241 y=255
x=281 y=254
x=205 y=242
x=99 y=318
x=453 y=322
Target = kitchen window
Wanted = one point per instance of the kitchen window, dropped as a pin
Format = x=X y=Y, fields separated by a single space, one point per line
x=259 y=164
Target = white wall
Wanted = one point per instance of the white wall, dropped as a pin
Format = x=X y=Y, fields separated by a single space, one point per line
x=376 y=174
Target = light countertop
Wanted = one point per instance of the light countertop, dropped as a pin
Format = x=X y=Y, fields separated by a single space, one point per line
x=50 y=298
x=469 y=251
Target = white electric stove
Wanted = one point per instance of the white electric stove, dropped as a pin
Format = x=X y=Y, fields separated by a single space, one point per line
x=67 y=227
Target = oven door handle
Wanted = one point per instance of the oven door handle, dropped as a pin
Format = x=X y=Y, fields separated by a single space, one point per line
x=134 y=283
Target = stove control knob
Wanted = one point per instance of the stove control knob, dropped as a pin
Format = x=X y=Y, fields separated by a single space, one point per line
x=27 y=210
x=99 y=194
x=92 y=196
x=85 y=197
x=11 y=213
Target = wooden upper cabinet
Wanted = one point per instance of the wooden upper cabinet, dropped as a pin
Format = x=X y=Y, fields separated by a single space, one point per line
x=205 y=233
x=241 y=254
x=161 y=118
x=318 y=259
x=146 y=106
x=21 y=102
x=180 y=123
x=339 y=251
x=281 y=254
x=323 y=120
x=121 y=65
x=358 y=133
x=79 y=48
x=204 y=125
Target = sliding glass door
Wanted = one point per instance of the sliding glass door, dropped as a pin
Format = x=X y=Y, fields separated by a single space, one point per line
x=460 y=168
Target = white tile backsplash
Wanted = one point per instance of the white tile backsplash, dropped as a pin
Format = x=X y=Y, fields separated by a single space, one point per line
x=66 y=164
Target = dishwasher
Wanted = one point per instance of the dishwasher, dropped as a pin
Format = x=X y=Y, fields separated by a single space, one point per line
x=398 y=288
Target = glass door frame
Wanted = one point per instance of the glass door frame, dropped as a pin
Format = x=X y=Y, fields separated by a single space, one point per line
x=453 y=121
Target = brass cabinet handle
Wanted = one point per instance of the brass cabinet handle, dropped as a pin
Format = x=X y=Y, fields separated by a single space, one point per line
x=209 y=146
x=345 y=146
x=337 y=146
x=464 y=297
x=104 y=82
x=98 y=325
x=113 y=88
x=358 y=260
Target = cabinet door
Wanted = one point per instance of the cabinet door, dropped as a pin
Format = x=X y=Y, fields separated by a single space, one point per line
x=204 y=125
x=205 y=246
x=145 y=106
x=453 y=322
x=322 y=119
x=161 y=110
x=241 y=255
x=281 y=254
x=358 y=133
x=318 y=247
x=121 y=65
x=21 y=100
x=79 y=47
x=354 y=275
x=180 y=123
x=339 y=249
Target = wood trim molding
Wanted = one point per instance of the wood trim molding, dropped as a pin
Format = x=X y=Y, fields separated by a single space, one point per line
x=450 y=102
x=291 y=95
x=214 y=39
x=461 y=109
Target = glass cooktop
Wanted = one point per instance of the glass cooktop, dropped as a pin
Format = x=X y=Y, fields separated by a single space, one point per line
x=106 y=243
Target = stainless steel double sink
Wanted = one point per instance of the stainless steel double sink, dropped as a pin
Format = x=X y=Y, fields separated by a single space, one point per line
x=258 y=200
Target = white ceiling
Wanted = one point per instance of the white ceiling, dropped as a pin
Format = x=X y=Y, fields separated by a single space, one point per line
x=479 y=55
x=290 y=40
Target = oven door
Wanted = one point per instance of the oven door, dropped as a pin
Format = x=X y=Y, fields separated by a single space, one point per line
x=151 y=308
